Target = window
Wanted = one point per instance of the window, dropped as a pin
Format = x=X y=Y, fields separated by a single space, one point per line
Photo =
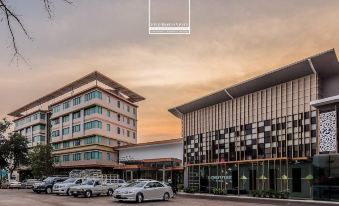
x=118 y=130
x=134 y=136
x=55 y=133
x=65 y=118
x=76 y=115
x=65 y=131
x=118 y=104
x=66 y=144
x=108 y=113
x=76 y=156
x=134 y=110
x=93 y=155
x=128 y=108
x=108 y=127
x=56 y=109
x=76 y=101
x=35 y=116
x=56 y=146
x=92 y=140
x=42 y=116
x=93 y=110
x=76 y=128
x=55 y=121
x=93 y=95
x=128 y=120
x=119 y=117
x=65 y=158
x=76 y=142
x=128 y=133
x=39 y=127
x=66 y=105
x=38 y=138
x=93 y=124
x=108 y=156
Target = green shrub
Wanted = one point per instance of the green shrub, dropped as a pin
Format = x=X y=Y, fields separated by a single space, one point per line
x=218 y=191
x=190 y=190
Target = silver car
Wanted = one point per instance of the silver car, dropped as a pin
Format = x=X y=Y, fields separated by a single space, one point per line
x=143 y=190
x=64 y=187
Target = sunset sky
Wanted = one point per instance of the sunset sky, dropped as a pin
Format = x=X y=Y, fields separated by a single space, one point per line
x=230 y=41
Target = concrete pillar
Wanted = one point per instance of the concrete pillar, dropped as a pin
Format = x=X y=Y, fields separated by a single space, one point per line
x=163 y=173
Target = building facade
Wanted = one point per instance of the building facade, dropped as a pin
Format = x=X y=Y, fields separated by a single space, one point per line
x=84 y=121
x=159 y=160
x=261 y=134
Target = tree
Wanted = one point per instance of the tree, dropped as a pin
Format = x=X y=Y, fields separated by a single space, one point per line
x=4 y=125
x=41 y=160
x=11 y=18
x=15 y=151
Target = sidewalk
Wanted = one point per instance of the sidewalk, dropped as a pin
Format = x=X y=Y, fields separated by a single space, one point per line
x=256 y=199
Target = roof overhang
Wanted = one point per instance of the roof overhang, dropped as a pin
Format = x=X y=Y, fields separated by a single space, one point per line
x=94 y=76
x=324 y=64
x=325 y=101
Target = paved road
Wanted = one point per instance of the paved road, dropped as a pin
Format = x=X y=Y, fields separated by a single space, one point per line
x=28 y=198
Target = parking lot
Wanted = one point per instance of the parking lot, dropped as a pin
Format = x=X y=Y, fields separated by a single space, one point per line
x=9 y=197
x=27 y=197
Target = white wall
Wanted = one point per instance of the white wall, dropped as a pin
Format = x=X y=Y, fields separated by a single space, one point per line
x=171 y=150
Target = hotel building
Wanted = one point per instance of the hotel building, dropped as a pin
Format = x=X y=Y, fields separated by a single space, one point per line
x=266 y=133
x=83 y=121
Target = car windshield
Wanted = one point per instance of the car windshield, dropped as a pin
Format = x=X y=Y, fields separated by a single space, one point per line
x=70 y=180
x=136 y=184
x=48 y=179
x=88 y=182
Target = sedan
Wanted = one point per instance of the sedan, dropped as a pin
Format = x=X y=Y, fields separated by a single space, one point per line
x=142 y=191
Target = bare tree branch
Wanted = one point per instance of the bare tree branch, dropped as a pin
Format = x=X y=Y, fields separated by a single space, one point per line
x=13 y=19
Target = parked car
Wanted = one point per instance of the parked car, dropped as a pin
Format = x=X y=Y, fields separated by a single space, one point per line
x=116 y=183
x=11 y=184
x=140 y=191
x=64 y=187
x=28 y=183
x=47 y=184
x=91 y=187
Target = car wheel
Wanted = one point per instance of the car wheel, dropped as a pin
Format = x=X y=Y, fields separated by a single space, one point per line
x=166 y=196
x=57 y=194
x=110 y=192
x=140 y=198
x=68 y=193
x=88 y=194
x=48 y=190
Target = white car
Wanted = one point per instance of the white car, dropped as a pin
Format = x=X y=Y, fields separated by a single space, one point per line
x=14 y=184
x=116 y=183
x=64 y=187
x=142 y=191
x=91 y=187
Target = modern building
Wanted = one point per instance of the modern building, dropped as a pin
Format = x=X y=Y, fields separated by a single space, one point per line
x=271 y=132
x=160 y=160
x=84 y=121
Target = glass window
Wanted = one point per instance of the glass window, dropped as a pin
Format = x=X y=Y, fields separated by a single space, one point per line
x=76 y=142
x=118 y=130
x=55 y=133
x=66 y=105
x=66 y=144
x=65 y=158
x=55 y=121
x=108 y=127
x=93 y=110
x=76 y=156
x=76 y=128
x=76 y=115
x=93 y=124
x=76 y=101
x=56 y=108
x=118 y=104
x=65 y=118
x=65 y=131
x=93 y=95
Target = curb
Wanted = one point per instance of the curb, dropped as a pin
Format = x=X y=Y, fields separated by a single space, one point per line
x=256 y=199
